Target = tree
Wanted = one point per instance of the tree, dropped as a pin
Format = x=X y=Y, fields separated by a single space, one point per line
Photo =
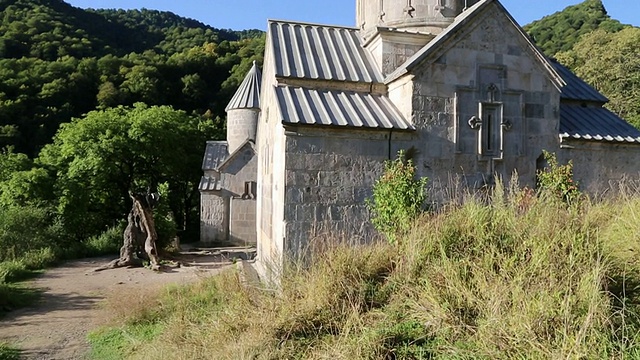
x=562 y=30
x=99 y=159
x=140 y=236
x=611 y=63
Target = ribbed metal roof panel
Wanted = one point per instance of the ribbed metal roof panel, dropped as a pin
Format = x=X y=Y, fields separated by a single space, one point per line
x=595 y=123
x=338 y=108
x=248 y=94
x=319 y=52
x=576 y=88
x=214 y=155
x=209 y=183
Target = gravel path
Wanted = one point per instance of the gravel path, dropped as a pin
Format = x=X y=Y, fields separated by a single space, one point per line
x=56 y=327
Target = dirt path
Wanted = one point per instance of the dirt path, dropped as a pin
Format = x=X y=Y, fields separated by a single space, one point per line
x=56 y=327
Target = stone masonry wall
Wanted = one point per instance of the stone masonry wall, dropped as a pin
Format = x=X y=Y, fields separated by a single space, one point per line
x=329 y=175
x=456 y=84
x=242 y=209
x=242 y=229
x=270 y=201
x=241 y=126
x=601 y=167
x=213 y=218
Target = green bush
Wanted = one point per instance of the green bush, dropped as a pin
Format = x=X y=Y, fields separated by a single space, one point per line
x=8 y=352
x=26 y=229
x=109 y=242
x=557 y=179
x=491 y=278
x=24 y=267
x=398 y=198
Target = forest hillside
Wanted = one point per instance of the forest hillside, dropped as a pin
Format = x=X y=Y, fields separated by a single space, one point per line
x=599 y=49
x=58 y=62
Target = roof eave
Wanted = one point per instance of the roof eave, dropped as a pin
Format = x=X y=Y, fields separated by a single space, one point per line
x=410 y=128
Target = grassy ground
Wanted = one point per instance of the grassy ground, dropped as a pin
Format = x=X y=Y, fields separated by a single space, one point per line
x=514 y=277
x=8 y=352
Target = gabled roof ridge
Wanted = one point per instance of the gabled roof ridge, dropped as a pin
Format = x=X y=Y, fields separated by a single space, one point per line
x=459 y=22
x=234 y=154
x=295 y=22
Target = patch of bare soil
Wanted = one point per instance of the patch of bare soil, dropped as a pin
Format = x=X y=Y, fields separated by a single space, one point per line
x=57 y=326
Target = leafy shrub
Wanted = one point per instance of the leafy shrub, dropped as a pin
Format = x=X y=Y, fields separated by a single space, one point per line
x=558 y=180
x=39 y=259
x=490 y=278
x=13 y=270
x=398 y=198
x=109 y=242
x=28 y=228
x=8 y=352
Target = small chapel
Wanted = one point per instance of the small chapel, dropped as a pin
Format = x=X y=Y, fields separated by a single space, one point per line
x=457 y=81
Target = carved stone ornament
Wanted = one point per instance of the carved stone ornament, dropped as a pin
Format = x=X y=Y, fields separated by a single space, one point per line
x=475 y=122
x=409 y=9
x=507 y=125
x=492 y=90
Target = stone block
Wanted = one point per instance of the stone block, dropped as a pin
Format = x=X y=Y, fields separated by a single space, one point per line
x=294 y=195
x=534 y=111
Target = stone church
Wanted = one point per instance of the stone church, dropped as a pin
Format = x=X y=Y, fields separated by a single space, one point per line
x=457 y=81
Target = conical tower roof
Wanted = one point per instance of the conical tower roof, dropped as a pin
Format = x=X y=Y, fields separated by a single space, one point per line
x=248 y=94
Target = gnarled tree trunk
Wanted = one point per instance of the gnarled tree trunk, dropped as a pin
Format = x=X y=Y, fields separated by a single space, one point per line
x=139 y=237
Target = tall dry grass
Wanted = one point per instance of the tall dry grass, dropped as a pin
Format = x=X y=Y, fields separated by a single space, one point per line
x=510 y=276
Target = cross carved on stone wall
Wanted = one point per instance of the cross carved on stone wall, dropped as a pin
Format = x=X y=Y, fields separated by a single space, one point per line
x=492 y=91
x=409 y=9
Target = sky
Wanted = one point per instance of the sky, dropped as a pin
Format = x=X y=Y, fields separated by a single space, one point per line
x=253 y=14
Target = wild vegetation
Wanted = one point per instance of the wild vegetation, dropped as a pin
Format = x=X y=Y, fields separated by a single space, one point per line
x=610 y=61
x=508 y=276
x=398 y=198
x=599 y=49
x=58 y=62
x=96 y=103
x=562 y=30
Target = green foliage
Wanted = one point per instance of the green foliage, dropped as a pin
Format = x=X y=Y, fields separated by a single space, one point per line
x=166 y=226
x=59 y=62
x=558 y=180
x=26 y=265
x=109 y=242
x=16 y=296
x=100 y=158
x=27 y=229
x=113 y=344
x=8 y=352
x=611 y=63
x=497 y=278
x=562 y=30
x=398 y=198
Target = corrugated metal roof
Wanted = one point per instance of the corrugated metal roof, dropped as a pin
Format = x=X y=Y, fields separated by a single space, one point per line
x=248 y=94
x=214 y=155
x=338 y=108
x=320 y=52
x=576 y=88
x=595 y=123
x=209 y=183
